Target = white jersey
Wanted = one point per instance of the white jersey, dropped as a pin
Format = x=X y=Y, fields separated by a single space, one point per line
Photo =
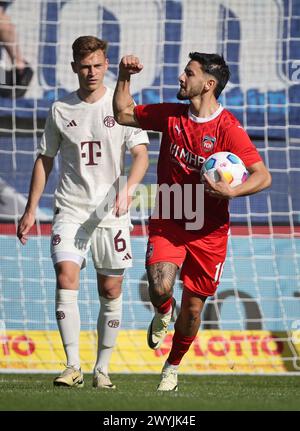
x=92 y=146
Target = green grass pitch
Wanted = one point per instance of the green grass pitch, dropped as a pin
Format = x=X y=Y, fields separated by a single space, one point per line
x=137 y=392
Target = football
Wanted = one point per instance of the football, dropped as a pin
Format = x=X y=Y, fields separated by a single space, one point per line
x=232 y=167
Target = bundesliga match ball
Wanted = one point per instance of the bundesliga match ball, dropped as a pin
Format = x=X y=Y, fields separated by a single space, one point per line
x=232 y=167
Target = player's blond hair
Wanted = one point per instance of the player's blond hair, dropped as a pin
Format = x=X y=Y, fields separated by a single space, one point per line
x=85 y=45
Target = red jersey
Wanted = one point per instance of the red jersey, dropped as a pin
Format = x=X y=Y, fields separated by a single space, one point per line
x=187 y=141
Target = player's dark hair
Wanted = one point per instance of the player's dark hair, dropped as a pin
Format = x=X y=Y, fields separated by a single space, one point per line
x=85 y=45
x=215 y=65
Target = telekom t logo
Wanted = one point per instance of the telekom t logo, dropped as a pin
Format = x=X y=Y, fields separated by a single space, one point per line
x=91 y=151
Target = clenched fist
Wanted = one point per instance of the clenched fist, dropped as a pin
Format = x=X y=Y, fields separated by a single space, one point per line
x=130 y=65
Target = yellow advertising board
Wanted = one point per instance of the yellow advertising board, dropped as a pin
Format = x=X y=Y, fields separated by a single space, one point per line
x=212 y=351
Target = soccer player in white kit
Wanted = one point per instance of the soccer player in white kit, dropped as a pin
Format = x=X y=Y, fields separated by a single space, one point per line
x=90 y=206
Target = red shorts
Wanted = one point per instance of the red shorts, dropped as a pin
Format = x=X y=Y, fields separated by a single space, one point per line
x=201 y=258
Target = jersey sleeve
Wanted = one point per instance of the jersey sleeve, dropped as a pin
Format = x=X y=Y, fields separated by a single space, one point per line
x=51 y=138
x=153 y=116
x=237 y=141
x=134 y=136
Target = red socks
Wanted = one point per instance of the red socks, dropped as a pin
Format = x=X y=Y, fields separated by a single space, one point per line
x=165 y=307
x=180 y=345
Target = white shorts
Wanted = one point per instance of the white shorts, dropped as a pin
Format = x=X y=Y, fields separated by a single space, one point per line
x=110 y=247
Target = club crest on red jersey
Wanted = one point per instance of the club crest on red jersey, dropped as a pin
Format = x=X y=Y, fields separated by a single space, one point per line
x=109 y=121
x=208 y=143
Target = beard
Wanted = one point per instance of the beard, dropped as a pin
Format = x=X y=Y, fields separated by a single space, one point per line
x=181 y=96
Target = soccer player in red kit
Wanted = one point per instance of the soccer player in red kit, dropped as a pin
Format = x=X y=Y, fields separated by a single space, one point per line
x=190 y=134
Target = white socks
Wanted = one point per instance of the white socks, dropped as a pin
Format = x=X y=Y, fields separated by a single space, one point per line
x=68 y=321
x=108 y=325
